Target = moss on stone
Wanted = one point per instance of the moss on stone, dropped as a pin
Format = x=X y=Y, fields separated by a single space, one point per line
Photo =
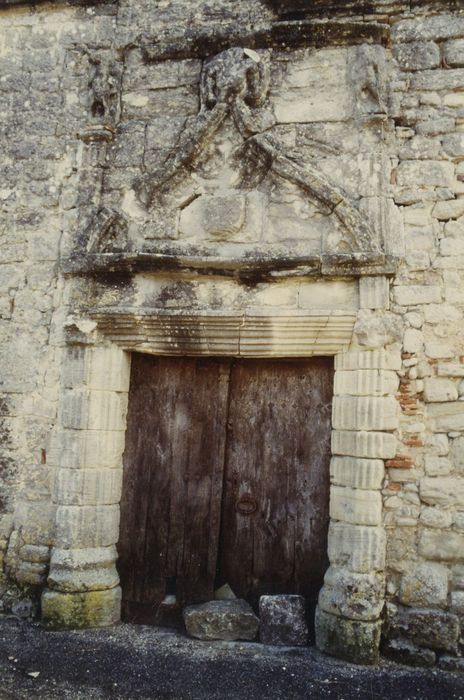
x=80 y=610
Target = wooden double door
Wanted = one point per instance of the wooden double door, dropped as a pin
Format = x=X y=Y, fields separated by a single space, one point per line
x=226 y=480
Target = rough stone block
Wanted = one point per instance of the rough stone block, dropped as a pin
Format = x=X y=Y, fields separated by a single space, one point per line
x=419 y=173
x=451 y=663
x=355 y=506
x=436 y=27
x=365 y=382
x=450 y=369
x=449 y=209
x=446 y=417
x=417 y=55
x=453 y=52
x=404 y=652
x=457 y=602
x=221 y=619
x=356 y=547
x=87 y=526
x=374 y=292
x=88 y=486
x=283 y=620
x=352 y=595
x=453 y=145
x=413 y=340
x=433 y=629
x=437 y=389
x=357 y=472
x=443 y=490
x=364 y=413
x=434 y=546
x=350 y=640
x=425 y=585
x=369 y=359
x=363 y=444
x=427 y=80
x=457 y=454
x=415 y=294
x=80 y=610
x=436 y=466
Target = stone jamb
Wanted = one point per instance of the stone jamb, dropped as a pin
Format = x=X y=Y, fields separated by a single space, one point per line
x=83 y=586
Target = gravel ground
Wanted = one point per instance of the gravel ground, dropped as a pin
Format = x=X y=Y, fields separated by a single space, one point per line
x=128 y=662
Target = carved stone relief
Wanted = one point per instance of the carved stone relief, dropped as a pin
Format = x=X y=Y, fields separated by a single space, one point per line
x=243 y=181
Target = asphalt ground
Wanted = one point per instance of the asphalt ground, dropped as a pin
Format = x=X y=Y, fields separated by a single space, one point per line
x=128 y=662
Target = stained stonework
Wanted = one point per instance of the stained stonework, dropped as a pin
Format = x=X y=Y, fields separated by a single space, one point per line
x=247 y=179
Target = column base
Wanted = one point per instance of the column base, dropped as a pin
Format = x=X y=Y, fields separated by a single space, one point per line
x=80 y=610
x=346 y=639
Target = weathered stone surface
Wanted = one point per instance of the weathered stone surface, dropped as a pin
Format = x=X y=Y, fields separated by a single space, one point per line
x=352 y=595
x=425 y=585
x=80 y=610
x=447 y=416
x=412 y=295
x=364 y=413
x=417 y=55
x=221 y=619
x=374 y=293
x=363 y=444
x=442 y=490
x=376 y=329
x=357 y=472
x=365 y=382
x=428 y=628
x=404 y=652
x=453 y=53
x=347 y=639
x=356 y=506
x=451 y=663
x=359 y=548
x=282 y=620
x=436 y=547
x=437 y=390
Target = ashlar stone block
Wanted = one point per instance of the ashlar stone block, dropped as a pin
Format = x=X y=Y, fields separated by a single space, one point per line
x=221 y=619
x=78 y=570
x=86 y=526
x=374 y=292
x=369 y=359
x=86 y=449
x=352 y=640
x=80 y=610
x=352 y=595
x=364 y=413
x=100 y=368
x=88 y=486
x=365 y=382
x=358 y=548
x=357 y=472
x=364 y=444
x=84 y=409
x=355 y=505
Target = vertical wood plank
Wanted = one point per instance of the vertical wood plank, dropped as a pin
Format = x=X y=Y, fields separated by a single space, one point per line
x=173 y=473
x=277 y=458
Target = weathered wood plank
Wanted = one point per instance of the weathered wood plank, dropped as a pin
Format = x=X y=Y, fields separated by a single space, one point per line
x=173 y=466
x=277 y=459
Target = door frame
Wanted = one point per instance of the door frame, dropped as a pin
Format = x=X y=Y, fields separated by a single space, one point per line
x=88 y=444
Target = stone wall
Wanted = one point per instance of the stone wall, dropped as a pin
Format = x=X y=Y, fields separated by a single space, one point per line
x=354 y=233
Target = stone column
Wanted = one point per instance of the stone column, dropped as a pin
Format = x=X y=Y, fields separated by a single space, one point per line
x=83 y=584
x=365 y=413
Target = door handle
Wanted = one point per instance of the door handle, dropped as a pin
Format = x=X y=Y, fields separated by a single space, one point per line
x=246 y=504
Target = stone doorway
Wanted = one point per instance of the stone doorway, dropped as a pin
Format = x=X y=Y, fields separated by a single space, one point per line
x=226 y=480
